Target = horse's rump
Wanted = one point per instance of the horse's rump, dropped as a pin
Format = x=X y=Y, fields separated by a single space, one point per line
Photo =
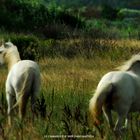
x=99 y=98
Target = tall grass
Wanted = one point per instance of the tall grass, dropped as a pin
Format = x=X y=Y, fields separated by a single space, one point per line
x=67 y=85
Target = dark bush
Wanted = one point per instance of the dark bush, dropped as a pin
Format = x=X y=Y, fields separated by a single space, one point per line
x=109 y=13
x=22 y=15
x=28 y=46
x=55 y=31
x=33 y=16
x=71 y=20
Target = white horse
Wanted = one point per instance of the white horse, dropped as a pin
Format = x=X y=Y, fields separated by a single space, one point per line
x=23 y=80
x=118 y=91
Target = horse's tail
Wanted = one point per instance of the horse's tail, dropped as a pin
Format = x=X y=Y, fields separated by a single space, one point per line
x=35 y=88
x=97 y=101
x=23 y=96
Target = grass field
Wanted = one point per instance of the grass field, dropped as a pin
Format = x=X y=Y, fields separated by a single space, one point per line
x=67 y=86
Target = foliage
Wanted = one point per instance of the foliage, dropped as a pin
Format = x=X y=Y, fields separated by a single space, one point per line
x=109 y=13
x=73 y=21
x=87 y=48
x=28 y=46
x=114 y=3
x=66 y=89
x=34 y=48
x=72 y=62
x=20 y=13
x=53 y=21
x=128 y=13
x=27 y=16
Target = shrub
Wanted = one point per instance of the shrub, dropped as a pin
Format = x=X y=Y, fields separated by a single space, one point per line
x=18 y=12
x=108 y=12
x=55 y=31
x=71 y=20
x=128 y=13
x=28 y=46
x=27 y=16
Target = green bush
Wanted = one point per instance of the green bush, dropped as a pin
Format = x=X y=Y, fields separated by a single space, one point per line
x=17 y=14
x=71 y=20
x=34 y=16
x=109 y=13
x=128 y=13
x=28 y=46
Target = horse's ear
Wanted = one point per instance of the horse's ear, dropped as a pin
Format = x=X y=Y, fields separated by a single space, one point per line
x=1 y=42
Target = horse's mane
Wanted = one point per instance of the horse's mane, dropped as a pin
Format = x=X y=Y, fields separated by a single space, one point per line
x=130 y=63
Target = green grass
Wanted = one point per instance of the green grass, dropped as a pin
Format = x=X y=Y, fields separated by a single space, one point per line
x=67 y=86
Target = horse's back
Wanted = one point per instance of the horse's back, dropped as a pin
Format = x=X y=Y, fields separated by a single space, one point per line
x=118 y=78
x=25 y=65
x=23 y=74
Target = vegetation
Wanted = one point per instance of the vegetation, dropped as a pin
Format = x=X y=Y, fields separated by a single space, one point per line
x=114 y=3
x=58 y=22
x=74 y=48
x=67 y=85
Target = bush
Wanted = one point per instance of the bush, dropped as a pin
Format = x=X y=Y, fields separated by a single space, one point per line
x=21 y=13
x=55 y=31
x=28 y=46
x=71 y=20
x=34 y=16
x=109 y=13
x=128 y=13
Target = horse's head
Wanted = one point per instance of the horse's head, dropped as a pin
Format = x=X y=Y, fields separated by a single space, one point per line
x=4 y=49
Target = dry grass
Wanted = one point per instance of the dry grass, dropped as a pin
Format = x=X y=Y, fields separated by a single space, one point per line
x=133 y=43
x=67 y=85
x=67 y=76
x=63 y=73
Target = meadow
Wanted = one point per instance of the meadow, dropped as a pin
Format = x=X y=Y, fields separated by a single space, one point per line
x=74 y=48
x=67 y=86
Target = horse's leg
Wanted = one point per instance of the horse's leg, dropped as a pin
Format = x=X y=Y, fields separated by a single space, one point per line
x=10 y=102
x=126 y=123
x=33 y=104
x=22 y=105
x=125 y=126
x=119 y=124
x=35 y=91
x=108 y=116
x=33 y=101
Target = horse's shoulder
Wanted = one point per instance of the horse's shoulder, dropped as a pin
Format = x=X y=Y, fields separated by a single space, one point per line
x=24 y=66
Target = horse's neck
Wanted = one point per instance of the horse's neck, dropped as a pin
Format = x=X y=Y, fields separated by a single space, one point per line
x=11 y=60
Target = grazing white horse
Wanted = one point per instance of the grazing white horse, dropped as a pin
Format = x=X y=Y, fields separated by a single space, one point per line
x=23 y=80
x=118 y=91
